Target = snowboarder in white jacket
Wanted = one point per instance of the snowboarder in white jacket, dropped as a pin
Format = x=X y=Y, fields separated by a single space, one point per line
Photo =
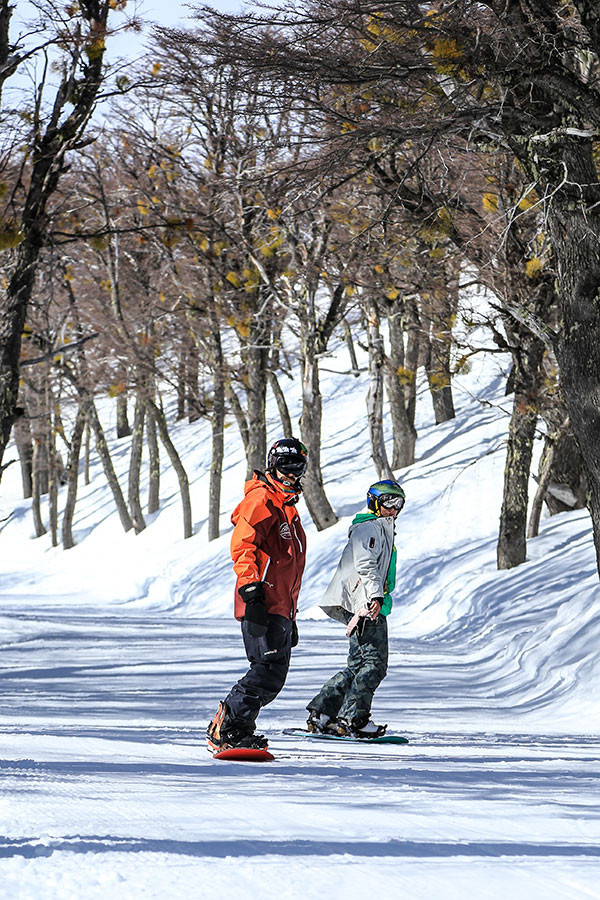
x=359 y=595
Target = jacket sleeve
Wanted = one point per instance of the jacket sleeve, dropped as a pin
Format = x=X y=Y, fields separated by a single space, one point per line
x=366 y=544
x=250 y=560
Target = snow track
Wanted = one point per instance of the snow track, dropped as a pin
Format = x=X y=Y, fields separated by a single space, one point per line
x=106 y=786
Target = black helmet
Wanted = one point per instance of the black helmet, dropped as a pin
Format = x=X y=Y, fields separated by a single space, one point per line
x=289 y=456
x=385 y=493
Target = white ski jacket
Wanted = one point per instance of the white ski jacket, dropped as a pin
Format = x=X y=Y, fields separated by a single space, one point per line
x=363 y=567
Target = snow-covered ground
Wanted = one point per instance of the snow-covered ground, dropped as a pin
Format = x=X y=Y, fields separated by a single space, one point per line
x=114 y=655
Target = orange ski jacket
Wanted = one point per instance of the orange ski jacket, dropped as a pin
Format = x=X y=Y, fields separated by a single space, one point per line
x=268 y=544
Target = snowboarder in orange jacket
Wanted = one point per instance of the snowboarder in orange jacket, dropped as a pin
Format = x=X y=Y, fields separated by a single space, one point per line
x=268 y=548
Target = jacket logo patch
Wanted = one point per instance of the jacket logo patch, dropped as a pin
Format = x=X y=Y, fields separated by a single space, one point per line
x=284 y=531
x=372 y=543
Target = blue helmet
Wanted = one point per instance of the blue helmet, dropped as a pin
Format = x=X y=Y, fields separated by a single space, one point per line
x=385 y=493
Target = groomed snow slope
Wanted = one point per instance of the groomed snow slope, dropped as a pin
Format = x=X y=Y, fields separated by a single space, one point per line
x=116 y=652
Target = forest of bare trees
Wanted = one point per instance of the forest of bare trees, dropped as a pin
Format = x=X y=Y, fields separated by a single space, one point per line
x=260 y=183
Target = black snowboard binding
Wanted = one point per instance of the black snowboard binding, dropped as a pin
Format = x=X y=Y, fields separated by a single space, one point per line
x=224 y=733
x=359 y=728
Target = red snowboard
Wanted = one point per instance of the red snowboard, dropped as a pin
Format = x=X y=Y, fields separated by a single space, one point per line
x=243 y=754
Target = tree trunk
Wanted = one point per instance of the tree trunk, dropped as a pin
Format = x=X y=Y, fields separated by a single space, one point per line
x=440 y=387
x=72 y=480
x=12 y=322
x=184 y=486
x=153 y=466
x=123 y=426
x=86 y=463
x=36 y=506
x=397 y=378
x=441 y=310
x=104 y=454
x=546 y=471
x=238 y=412
x=413 y=352
x=218 y=433
x=512 y=543
x=194 y=406
x=318 y=505
x=22 y=435
x=181 y=381
x=135 y=465
x=256 y=358
x=351 y=351
x=375 y=394
x=284 y=413
x=53 y=491
x=574 y=225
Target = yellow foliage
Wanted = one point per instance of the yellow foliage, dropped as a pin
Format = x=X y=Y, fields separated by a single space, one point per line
x=274 y=213
x=346 y=127
x=233 y=279
x=143 y=208
x=393 y=294
x=405 y=376
x=447 y=48
x=463 y=366
x=437 y=229
x=252 y=279
x=379 y=268
x=438 y=380
x=276 y=240
x=95 y=49
x=156 y=68
x=350 y=290
x=98 y=242
x=529 y=200
x=115 y=389
x=435 y=253
x=10 y=237
x=490 y=202
x=242 y=327
x=533 y=267
x=3 y=188
x=444 y=220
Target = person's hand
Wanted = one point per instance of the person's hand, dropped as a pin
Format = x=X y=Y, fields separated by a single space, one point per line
x=375 y=607
x=357 y=622
x=253 y=595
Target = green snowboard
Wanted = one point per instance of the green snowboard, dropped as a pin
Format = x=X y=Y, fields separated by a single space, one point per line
x=384 y=739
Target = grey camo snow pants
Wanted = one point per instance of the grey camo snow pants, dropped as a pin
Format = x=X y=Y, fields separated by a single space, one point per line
x=349 y=694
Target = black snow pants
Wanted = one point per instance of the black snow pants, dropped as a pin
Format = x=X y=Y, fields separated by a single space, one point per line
x=269 y=659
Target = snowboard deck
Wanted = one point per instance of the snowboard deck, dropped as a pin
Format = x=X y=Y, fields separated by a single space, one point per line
x=383 y=739
x=244 y=754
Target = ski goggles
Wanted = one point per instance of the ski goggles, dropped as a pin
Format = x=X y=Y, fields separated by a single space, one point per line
x=295 y=467
x=391 y=502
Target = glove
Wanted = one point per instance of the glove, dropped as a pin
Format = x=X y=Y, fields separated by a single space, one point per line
x=253 y=595
x=294 y=634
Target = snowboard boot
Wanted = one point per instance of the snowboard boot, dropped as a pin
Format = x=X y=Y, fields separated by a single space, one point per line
x=319 y=723
x=360 y=728
x=225 y=733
